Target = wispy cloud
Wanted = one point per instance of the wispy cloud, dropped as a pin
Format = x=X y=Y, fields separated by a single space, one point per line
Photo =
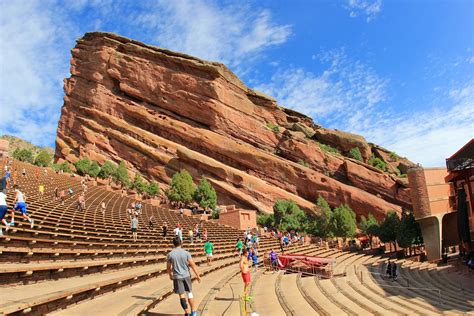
x=228 y=34
x=366 y=8
x=30 y=70
x=349 y=95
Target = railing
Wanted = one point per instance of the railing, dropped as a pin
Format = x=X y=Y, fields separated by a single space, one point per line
x=322 y=272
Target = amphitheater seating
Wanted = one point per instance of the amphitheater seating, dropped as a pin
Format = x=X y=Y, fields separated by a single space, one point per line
x=89 y=258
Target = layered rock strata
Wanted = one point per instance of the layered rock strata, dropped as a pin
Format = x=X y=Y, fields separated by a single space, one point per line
x=162 y=111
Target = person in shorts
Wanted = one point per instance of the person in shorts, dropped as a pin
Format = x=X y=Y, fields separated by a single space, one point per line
x=208 y=249
x=274 y=260
x=3 y=212
x=178 y=263
x=134 y=226
x=245 y=271
x=20 y=205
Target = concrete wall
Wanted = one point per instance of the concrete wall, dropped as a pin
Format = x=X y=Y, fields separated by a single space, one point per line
x=239 y=218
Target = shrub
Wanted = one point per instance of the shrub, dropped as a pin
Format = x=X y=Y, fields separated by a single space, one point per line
x=355 y=153
x=63 y=166
x=273 y=127
x=344 y=222
x=328 y=149
x=43 y=159
x=303 y=163
x=121 y=174
x=215 y=214
x=152 y=189
x=108 y=169
x=267 y=220
x=23 y=155
x=138 y=184
x=394 y=155
x=94 y=169
x=288 y=215
x=82 y=166
x=377 y=163
x=205 y=194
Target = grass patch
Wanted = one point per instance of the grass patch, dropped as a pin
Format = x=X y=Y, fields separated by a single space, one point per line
x=329 y=149
x=273 y=127
x=355 y=153
x=378 y=163
x=303 y=163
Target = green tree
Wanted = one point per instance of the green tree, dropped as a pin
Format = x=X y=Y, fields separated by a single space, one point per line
x=23 y=155
x=388 y=228
x=182 y=187
x=121 y=174
x=205 y=194
x=321 y=224
x=408 y=232
x=377 y=163
x=83 y=166
x=267 y=220
x=344 y=222
x=288 y=215
x=108 y=169
x=63 y=166
x=94 y=169
x=138 y=183
x=369 y=226
x=355 y=153
x=43 y=159
x=152 y=189
x=215 y=214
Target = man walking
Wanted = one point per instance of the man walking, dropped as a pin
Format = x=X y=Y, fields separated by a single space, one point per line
x=245 y=271
x=178 y=263
x=3 y=212
x=134 y=226
x=208 y=249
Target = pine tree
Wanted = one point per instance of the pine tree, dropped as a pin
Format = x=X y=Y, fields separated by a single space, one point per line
x=152 y=189
x=108 y=169
x=369 y=226
x=388 y=228
x=344 y=222
x=288 y=215
x=83 y=166
x=94 y=169
x=121 y=174
x=182 y=187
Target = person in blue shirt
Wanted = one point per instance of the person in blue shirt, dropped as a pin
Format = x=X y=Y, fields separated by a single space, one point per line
x=255 y=259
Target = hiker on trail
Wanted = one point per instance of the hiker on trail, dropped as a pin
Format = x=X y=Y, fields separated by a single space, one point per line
x=20 y=205
x=394 y=271
x=239 y=246
x=134 y=226
x=3 y=212
x=274 y=260
x=208 y=249
x=62 y=195
x=178 y=233
x=81 y=203
x=245 y=271
x=4 y=182
x=389 y=269
x=178 y=263
x=165 y=229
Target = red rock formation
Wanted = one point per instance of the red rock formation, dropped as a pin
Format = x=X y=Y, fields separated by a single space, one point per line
x=162 y=111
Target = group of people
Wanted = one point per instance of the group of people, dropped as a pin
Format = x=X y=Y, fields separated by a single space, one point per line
x=19 y=205
x=391 y=270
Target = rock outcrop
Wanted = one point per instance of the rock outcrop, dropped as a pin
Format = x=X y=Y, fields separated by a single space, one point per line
x=162 y=111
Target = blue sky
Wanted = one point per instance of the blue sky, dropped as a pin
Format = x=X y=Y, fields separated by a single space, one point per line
x=400 y=73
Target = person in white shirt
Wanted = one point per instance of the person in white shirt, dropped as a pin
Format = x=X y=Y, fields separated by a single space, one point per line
x=3 y=211
x=20 y=205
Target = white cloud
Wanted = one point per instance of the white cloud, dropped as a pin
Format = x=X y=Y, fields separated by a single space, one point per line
x=30 y=69
x=229 y=34
x=368 y=8
x=349 y=95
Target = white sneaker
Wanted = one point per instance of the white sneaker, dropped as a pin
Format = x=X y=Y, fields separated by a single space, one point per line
x=7 y=227
x=1 y=232
x=32 y=223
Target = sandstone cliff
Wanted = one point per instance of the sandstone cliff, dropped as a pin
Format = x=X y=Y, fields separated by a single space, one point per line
x=163 y=111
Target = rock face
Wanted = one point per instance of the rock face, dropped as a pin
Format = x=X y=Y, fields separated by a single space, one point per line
x=162 y=111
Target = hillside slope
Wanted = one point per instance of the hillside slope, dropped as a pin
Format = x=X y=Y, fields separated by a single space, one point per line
x=16 y=142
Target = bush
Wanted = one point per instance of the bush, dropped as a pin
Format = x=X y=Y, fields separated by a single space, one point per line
x=205 y=194
x=138 y=184
x=83 y=166
x=182 y=187
x=267 y=220
x=344 y=222
x=388 y=228
x=152 y=189
x=303 y=163
x=94 y=169
x=355 y=153
x=377 y=163
x=394 y=156
x=43 y=159
x=121 y=174
x=273 y=127
x=108 y=169
x=23 y=155
x=63 y=166
x=321 y=224
x=328 y=149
